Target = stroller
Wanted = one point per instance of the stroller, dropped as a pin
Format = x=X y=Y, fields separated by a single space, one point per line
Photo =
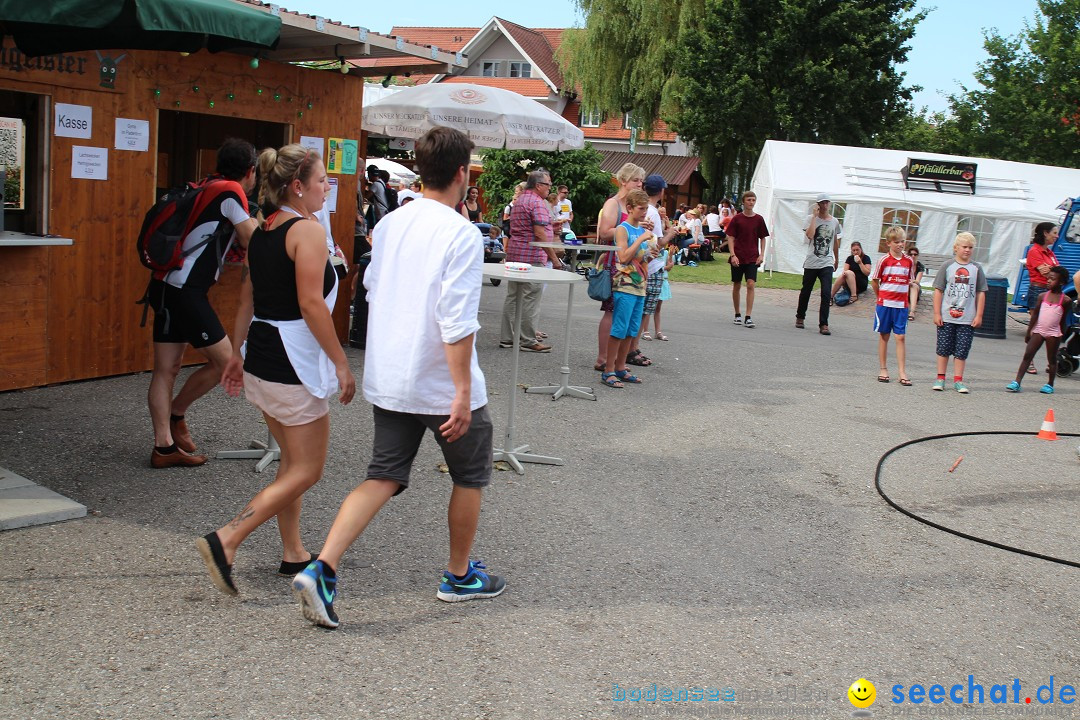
x=1068 y=358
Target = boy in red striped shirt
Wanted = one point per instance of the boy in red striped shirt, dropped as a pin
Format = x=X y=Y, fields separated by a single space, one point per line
x=891 y=280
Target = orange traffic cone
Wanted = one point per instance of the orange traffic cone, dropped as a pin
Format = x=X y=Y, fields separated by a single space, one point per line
x=1047 y=431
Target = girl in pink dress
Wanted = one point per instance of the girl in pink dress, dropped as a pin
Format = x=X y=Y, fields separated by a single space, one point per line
x=1049 y=317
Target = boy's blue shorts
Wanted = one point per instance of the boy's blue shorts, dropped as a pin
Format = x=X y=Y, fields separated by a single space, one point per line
x=626 y=314
x=890 y=320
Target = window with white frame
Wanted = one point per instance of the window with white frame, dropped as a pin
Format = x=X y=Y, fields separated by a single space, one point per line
x=520 y=69
x=983 y=230
x=491 y=69
x=628 y=121
x=901 y=217
x=591 y=118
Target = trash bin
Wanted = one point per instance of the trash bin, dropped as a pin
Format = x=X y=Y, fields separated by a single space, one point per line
x=993 y=324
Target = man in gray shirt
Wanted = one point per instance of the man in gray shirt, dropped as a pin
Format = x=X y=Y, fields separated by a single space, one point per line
x=377 y=195
x=822 y=232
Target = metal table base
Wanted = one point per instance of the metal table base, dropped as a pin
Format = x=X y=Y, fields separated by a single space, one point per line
x=565 y=388
x=265 y=452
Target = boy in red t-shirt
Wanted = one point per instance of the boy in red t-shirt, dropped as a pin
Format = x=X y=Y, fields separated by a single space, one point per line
x=891 y=280
x=746 y=238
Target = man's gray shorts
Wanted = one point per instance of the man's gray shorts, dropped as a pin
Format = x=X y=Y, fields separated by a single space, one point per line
x=398 y=436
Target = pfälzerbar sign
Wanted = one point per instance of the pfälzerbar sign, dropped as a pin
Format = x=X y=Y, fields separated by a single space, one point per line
x=940 y=175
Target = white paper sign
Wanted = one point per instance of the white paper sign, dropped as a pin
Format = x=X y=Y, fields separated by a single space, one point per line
x=89 y=163
x=317 y=144
x=132 y=134
x=402 y=144
x=76 y=121
x=331 y=198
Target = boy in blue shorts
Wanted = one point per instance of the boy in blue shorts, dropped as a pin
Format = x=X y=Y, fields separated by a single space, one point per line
x=891 y=280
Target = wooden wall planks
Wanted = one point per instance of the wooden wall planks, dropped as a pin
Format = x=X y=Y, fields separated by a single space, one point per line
x=69 y=313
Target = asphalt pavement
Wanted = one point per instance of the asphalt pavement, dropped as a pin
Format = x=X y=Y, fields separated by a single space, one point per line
x=716 y=527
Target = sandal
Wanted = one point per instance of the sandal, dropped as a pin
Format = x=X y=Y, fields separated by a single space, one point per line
x=661 y=336
x=883 y=377
x=626 y=377
x=1031 y=369
x=905 y=382
x=611 y=380
x=636 y=358
x=541 y=335
x=600 y=367
x=646 y=336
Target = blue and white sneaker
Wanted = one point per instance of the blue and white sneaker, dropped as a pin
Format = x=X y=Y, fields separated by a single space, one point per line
x=316 y=594
x=476 y=584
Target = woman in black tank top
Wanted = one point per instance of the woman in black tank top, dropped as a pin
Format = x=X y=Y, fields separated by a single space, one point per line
x=470 y=208
x=286 y=286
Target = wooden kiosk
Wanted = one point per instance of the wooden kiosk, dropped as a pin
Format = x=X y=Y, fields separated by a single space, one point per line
x=92 y=137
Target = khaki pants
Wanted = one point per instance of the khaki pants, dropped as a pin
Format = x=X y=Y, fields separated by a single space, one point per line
x=528 y=294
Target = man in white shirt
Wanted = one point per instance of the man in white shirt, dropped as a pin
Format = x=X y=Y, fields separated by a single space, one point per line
x=564 y=210
x=421 y=373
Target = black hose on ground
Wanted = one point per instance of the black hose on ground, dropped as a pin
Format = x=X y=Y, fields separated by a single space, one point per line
x=984 y=541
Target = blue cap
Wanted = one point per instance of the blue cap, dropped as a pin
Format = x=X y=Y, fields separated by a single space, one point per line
x=654 y=184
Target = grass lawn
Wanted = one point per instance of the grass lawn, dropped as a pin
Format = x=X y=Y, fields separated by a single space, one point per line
x=718 y=272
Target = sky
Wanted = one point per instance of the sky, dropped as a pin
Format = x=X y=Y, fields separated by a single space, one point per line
x=944 y=54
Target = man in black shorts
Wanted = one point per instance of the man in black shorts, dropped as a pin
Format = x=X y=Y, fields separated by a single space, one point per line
x=182 y=312
x=421 y=374
x=746 y=238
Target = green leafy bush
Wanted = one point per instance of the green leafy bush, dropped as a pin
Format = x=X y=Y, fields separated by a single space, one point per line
x=579 y=170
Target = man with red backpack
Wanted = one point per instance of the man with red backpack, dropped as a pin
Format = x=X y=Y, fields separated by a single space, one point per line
x=182 y=312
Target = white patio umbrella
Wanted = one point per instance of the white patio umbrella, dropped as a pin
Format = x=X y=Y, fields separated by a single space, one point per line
x=491 y=117
x=398 y=172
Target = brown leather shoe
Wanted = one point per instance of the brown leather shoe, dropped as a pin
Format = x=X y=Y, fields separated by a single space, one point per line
x=824 y=330
x=536 y=348
x=799 y=323
x=181 y=436
x=176 y=459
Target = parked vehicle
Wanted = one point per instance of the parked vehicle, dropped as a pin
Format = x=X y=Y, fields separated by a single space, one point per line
x=1066 y=250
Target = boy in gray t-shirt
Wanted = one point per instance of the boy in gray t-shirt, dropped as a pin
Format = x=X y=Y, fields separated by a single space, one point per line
x=959 y=299
x=822 y=233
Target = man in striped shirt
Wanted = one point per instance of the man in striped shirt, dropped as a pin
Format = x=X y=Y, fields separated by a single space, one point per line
x=891 y=280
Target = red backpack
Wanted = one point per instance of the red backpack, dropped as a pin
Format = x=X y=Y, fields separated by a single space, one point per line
x=161 y=241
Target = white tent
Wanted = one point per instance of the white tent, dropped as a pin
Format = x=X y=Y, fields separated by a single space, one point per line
x=868 y=192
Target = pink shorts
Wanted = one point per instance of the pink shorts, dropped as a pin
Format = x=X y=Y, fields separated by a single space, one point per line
x=288 y=404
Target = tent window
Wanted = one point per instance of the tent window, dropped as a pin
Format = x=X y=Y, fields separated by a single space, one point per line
x=839 y=210
x=907 y=219
x=983 y=230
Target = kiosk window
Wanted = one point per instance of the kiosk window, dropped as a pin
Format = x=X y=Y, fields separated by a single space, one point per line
x=22 y=157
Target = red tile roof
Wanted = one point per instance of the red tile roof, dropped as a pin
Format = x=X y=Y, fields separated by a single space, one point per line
x=676 y=169
x=537 y=48
x=444 y=38
x=529 y=87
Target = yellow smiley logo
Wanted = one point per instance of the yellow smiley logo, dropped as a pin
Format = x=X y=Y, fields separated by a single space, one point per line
x=862 y=693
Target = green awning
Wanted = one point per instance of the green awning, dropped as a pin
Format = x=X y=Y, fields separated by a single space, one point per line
x=44 y=27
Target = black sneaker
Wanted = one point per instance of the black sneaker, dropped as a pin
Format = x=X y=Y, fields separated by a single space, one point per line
x=476 y=584
x=738 y=318
x=214 y=556
x=289 y=569
x=748 y=322
x=316 y=594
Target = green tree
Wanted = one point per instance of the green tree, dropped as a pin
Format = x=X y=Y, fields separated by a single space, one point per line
x=1028 y=106
x=729 y=74
x=924 y=132
x=579 y=170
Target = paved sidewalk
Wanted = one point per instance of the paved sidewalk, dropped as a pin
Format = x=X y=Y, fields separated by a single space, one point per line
x=716 y=526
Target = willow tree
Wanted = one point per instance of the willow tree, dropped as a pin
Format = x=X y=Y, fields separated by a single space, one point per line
x=729 y=74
